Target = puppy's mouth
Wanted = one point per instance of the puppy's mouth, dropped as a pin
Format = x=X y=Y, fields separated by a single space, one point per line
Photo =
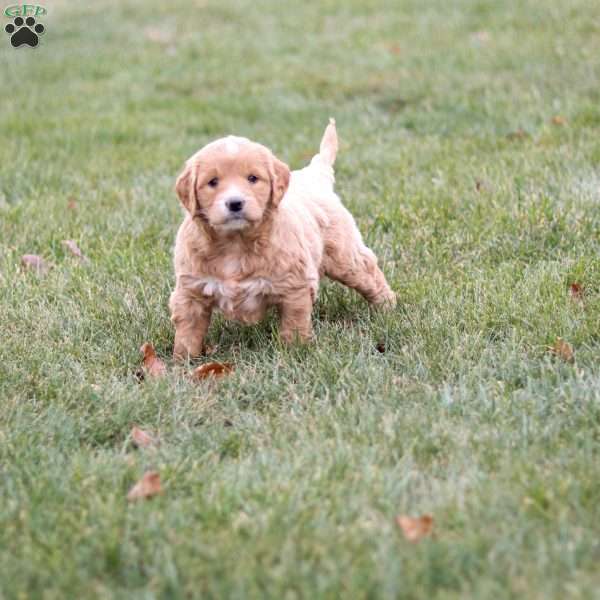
x=233 y=223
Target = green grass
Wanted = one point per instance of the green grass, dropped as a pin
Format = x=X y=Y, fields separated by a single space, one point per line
x=284 y=480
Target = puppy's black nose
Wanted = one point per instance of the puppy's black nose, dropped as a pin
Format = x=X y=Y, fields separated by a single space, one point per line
x=235 y=204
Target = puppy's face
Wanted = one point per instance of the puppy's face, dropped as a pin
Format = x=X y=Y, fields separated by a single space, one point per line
x=231 y=184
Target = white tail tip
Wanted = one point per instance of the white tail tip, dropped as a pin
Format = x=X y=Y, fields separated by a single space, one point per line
x=329 y=143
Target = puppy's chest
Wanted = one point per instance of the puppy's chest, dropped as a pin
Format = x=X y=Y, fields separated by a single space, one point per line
x=244 y=299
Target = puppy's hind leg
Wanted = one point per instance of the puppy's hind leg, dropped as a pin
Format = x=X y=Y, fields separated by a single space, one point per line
x=355 y=265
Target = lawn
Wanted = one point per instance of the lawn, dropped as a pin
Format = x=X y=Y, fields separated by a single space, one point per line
x=470 y=156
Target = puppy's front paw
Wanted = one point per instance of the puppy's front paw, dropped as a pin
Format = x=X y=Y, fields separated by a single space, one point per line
x=293 y=336
x=185 y=349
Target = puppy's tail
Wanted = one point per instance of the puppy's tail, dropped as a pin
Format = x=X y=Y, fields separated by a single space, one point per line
x=320 y=169
x=329 y=144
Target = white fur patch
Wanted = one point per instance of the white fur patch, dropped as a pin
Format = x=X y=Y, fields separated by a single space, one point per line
x=231 y=146
x=248 y=293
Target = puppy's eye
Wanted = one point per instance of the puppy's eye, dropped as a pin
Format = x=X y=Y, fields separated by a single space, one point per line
x=252 y=178
x=214 y=182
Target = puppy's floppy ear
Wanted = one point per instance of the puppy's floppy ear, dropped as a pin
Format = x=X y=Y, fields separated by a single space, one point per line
x=185 y=187
x=280 y=179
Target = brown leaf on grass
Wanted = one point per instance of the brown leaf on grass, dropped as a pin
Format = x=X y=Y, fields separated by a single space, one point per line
x=483 y=186
x=558 y=120
x=36 y=263
x=415 y=528
x=75 y=251
x=519 y=134
x=146 y=487
x=380 y=347
x=211 y=369
x=142 y=439
x=563 y=350
x=158 y=35
x=394 y=49
x=72 y=204
x=481 y=37
x=153 y=366
x=576 y=292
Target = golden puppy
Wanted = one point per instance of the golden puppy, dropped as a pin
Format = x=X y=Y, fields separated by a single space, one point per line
x=256 y=235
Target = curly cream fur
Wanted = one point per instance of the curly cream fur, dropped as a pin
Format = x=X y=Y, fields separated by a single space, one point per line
x=295 y=230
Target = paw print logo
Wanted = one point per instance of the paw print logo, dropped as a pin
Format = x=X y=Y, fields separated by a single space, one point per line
x=24 y=32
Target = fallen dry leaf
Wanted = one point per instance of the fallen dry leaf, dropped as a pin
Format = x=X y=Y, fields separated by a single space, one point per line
x=153 y=366
x=35 y=263
x=558 y=120
x=142 y=439
x=576 y=292
x=75 y=251
x=415 y=528
x=483 y=186
x=71 y=204
x=481 y=37
x=158 y=35
x=212 y=369
x=562 y=350
x=146 y=487
x=519 y=134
